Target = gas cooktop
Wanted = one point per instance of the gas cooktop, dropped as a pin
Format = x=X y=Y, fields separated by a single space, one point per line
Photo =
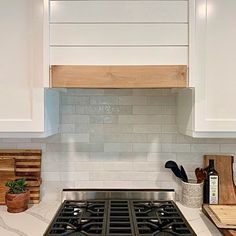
x=119 y=217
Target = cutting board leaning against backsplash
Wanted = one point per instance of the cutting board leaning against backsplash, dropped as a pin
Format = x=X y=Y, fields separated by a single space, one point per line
x=224 y=167
x=18 y=163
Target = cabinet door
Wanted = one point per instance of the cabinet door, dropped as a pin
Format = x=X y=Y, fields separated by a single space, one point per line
x=214 y=61
x=208 y=109
x=21 y=66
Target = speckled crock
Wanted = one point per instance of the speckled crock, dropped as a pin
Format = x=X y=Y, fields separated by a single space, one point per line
x=192 y=194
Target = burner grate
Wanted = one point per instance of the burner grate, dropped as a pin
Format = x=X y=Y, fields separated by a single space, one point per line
x=119 y=218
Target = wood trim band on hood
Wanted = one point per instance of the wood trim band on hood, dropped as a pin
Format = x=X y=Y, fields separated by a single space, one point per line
x=80 y=76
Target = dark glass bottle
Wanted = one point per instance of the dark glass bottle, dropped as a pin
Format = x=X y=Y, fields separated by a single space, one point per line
x=211 y=185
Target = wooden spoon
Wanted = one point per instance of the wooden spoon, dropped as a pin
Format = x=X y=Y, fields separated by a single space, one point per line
x=200 y=174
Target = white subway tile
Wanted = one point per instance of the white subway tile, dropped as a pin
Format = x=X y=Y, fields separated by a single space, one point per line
x=109 y=166
x=75 y=147
x=96 y=138
x=104 y=156
x=117 y=128
x=104 y=100
x=67 y=128
x=8 y=145
x=73 y=176
x=89 y=184
x=132 y=100
x=16 y=140
x=74 y=100
x=228 y=148
x=103 y=110
x=146 y=147
x=148 y=166
x=125 y=138
x=175 y=148
x=82 y=128
x=67 y=109
x=189 y=157
x=119 y=92
x=74 y=138
x=117 y=184
x=140 y=119
x=206 y=148
x=152 y=110
x=41 y=146
x=146 y=128
x=132 y=156
x=161 y=138
x=161 y=157
x=66 y=156
x=169 y=128
x=162 y=100
x=74 y=119
x=51 y=176
x=82 y=92
x=103 y=119
x=146 y=184
x=168 y=119
x=117 y=147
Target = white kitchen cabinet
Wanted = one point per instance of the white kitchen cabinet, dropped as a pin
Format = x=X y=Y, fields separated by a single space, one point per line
x=209 y=109
x=27 y=109
x=119 y=32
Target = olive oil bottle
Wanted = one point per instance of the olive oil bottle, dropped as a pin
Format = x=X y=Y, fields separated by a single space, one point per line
x=211 y=185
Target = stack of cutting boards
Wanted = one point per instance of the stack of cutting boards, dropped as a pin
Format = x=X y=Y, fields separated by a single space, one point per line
x=16 y=164
x=224 y=214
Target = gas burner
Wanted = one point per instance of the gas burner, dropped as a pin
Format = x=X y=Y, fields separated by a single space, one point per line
x=119 y=218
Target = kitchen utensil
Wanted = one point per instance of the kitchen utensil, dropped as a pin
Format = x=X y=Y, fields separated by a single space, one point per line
x=215 y=215
x=175 y=169
x=224 y=167
x=179 y=173
x=184 y=174
x=200 y=174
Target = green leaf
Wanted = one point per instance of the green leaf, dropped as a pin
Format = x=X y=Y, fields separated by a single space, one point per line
x=16 y=186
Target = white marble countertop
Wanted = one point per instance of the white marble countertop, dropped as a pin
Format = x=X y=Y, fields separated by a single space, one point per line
x=35 y=220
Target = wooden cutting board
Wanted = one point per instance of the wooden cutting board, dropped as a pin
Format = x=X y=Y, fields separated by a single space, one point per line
x=215 y=218
x=226 y=214
x=7 y=168
x=7 y=172
x=224 y=167
x=27 y=164
x=226 y=232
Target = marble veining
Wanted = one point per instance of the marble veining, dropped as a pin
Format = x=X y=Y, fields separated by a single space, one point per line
x=10 y=229
x=38 y=216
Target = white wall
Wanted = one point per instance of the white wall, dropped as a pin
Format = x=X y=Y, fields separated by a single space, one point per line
x=117 y=139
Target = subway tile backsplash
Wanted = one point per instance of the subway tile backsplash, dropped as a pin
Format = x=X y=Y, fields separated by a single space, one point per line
x=117 y=138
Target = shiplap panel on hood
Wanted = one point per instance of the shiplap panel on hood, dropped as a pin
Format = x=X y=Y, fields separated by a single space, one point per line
x=118 y=34
x=118 y=11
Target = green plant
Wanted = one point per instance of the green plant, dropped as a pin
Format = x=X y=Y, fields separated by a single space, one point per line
x=16 y=186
